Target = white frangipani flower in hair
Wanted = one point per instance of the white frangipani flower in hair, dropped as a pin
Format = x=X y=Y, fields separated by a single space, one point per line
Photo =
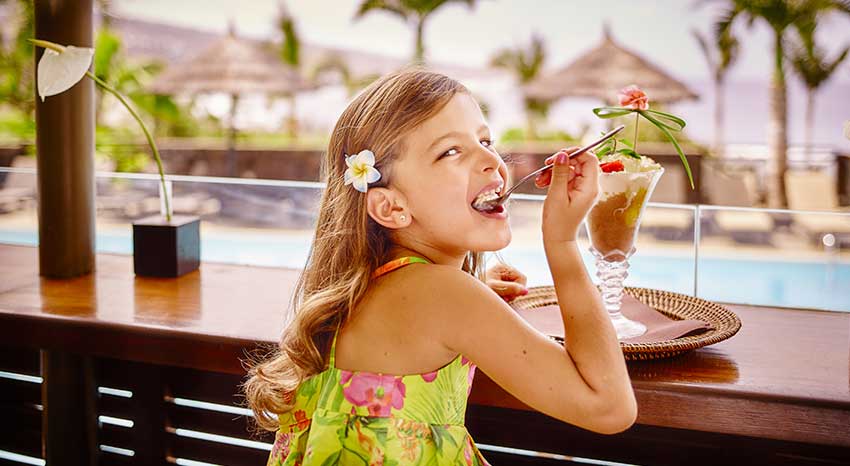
x=361 y=170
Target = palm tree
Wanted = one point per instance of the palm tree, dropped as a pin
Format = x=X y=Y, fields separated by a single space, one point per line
x=812 y=66
x=781 y=16
x=414 y=12
x=333 y=64
x=290 y=54
x=720 y=54
x=526 y=65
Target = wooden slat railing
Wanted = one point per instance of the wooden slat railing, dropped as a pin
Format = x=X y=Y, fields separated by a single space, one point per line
x=776 y=393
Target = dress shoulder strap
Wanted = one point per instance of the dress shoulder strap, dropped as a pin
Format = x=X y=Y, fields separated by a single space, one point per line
x=397 y=264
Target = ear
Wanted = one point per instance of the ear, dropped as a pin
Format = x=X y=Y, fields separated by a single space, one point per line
x=387 y=207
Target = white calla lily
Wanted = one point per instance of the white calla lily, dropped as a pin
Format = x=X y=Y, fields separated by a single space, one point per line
x=59 y=71
x=63 y=66
x=361 y=170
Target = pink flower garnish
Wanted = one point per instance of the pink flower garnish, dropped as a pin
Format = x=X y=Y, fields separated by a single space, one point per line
x=633 y=97
x=380 y=393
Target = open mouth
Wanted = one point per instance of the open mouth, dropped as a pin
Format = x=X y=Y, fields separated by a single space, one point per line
x=483 y=202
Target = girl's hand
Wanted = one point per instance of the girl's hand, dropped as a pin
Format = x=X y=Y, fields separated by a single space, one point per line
x=573 y=187
x=506 y=281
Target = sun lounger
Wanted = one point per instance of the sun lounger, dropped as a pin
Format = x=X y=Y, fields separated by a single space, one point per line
x=738 y=190
x=199 y=204
x=669 y=223
x=817 y=190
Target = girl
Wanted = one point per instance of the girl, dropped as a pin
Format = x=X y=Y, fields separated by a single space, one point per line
x=392 y=290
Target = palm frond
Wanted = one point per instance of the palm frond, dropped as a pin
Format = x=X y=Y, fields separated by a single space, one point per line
x=729 y=48
x=706 y=50
x=505 y=58
x=291 y=46
x=812 y=65
x=842 y=6
x=726 y=20
x=391 y=6
x=831 y=67
x=537 y=58
x=525 y=64
x=331 y=64
x=426 y=7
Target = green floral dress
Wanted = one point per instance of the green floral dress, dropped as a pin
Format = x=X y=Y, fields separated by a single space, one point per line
x=362 y=418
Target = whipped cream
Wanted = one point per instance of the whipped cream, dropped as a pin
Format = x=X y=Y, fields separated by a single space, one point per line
x=631 y=164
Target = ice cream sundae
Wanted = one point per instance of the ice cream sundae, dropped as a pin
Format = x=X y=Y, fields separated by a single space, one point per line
x=626 y=183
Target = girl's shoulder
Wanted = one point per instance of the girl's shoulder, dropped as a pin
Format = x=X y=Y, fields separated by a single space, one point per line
x=432 y=281
x=438 y=290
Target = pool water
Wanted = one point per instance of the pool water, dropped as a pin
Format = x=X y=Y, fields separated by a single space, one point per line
x=817 y=285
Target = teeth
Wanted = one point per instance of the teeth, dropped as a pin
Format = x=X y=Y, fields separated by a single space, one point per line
x=486 y=196
x=482 y=199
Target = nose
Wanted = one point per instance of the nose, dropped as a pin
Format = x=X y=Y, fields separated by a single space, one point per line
x=491 y=159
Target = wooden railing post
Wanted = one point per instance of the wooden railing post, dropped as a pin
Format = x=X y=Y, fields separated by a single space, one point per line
x=65 y=147
x=69 y=421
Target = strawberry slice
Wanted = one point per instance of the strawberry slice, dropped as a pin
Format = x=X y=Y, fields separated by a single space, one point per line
x=615 y=166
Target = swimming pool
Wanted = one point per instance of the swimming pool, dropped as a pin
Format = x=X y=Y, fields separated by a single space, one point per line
x=789 y=283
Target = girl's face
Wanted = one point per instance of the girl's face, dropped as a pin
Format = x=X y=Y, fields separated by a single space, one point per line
x=447 y=161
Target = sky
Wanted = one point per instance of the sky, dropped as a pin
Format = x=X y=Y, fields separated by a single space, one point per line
x=661 y=30
x=458 y=34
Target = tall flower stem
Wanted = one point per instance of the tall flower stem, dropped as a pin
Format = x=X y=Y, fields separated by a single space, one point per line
x=637 y=120
x=148 y=136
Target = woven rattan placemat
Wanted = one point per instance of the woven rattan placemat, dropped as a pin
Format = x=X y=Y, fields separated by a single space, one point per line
x=724 y=322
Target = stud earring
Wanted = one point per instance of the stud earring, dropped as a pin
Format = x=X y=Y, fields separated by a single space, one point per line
x=402 y=218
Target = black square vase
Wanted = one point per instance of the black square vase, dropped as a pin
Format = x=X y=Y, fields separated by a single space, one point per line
x=166 y=249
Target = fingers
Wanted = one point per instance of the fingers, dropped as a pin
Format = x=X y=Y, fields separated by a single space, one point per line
x=542 y=180
x=511 y=274
x=502 y=271
x=586 y=170
x=561 y=176
x=508 y=290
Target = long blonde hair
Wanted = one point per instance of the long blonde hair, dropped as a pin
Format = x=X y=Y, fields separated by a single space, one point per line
x=348 y=245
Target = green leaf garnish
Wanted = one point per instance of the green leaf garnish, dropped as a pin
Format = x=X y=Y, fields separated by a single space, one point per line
x=629 y=152
x=671 y=122
x=611 y=112
x=664 y=121
x=666 y=132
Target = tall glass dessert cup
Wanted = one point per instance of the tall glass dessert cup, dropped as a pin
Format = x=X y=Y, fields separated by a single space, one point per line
x=612 y=226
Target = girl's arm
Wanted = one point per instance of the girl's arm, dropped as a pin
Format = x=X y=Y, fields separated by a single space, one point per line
x=590 y=336
x=585 y=381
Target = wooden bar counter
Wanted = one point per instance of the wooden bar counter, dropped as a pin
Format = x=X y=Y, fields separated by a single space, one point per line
x=778 y=390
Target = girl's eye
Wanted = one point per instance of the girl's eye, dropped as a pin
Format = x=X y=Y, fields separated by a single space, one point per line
x=452 y=151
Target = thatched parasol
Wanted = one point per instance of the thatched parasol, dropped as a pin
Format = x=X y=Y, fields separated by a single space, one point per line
x=234 y=66
x=604 y=70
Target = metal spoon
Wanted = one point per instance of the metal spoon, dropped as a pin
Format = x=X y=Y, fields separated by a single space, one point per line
x=489 y=204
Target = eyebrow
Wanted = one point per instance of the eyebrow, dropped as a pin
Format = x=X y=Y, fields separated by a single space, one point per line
x=453 y=134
